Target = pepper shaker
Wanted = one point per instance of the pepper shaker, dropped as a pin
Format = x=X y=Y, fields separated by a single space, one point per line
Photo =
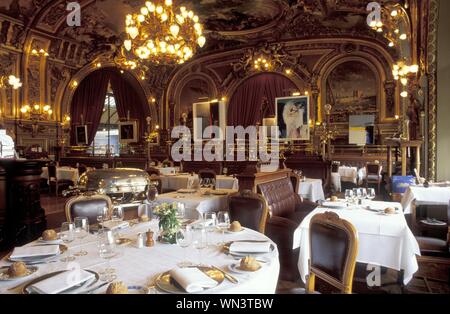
x=150 y=242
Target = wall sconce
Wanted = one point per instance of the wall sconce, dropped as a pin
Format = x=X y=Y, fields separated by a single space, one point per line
x=10 y=80
x=36 y=112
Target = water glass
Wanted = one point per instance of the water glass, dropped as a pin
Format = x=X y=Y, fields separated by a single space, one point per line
x=81 y=232
x=348 y=196
x=200 y=242
x=117 y=213
x=181 y=210
x=223 y=223
x=184 y=240
x=107 y=250
x=67 y=235
x=102 y=216
x=371 y=193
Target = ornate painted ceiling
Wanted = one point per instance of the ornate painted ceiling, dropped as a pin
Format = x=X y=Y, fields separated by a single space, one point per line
x=229 y=23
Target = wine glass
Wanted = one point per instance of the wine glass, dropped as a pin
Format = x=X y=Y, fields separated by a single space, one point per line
x=81 y=232
x=107 y=250
x=102 y=216
x=67 y=235
x=356 y=195
x=184 y=240
x=371 y=194
x=363 y=194
x=225 y=171
x=152 y=193
x=223 y=223
x=348 y=196
x=200 y=242
x=213 y=184
x=181 y=210
x=117 y=213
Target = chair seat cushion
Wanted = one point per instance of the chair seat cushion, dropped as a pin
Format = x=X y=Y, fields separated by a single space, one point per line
x=432 y=245
x=373 y=177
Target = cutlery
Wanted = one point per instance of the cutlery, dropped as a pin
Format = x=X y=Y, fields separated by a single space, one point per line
x=96 y=288
x=227 y=275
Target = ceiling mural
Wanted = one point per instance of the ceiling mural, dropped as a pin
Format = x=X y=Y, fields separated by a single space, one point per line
x=235 y=15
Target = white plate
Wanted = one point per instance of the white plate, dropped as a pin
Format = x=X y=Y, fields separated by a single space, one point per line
x=233 y=232
x=4 y=274
x=187 y=191
x=235 y=267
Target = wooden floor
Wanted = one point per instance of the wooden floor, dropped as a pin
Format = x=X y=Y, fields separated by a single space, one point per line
x=54 y=208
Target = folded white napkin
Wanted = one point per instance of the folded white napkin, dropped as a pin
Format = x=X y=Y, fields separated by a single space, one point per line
x=113 y=225
x=192 y=279
x=62 y=282
x=250 y=247
x=34 y=251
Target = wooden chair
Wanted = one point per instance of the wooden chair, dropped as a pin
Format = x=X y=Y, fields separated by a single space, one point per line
x=250 y=209
x=295 y=180
x=89 y=206
x=373 y=174
x=207 y=174
x=334 y=247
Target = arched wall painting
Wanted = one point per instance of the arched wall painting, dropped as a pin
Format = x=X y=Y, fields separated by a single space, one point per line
x=352 y=88
x=193 y=92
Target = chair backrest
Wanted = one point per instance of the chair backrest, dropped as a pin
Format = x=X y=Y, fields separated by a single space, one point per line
x=250 y=209
x=280 y=196
x=334 y=247
x=373 y=168
x=153 y=171
x=295 y=180
x=89 y=206
x=207 y=174
x=334 y=168
x=51 y=170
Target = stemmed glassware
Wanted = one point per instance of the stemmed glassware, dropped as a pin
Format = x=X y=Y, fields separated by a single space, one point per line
x=223 y=223
x=117 y=213
x=184 y=240
x=200 y=241
x=102 y=216
x=181 y=210
x=107 y=250
x=348 y=196
x=81 y=232
x=67 y=235
x=371 y=194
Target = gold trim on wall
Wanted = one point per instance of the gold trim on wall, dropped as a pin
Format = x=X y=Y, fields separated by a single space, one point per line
x=433 y=14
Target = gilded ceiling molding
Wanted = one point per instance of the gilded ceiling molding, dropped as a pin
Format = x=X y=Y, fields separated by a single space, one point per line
x=433 y=14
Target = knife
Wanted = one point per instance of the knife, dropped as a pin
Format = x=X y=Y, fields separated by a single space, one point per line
x=227 y=275
x=96 y=288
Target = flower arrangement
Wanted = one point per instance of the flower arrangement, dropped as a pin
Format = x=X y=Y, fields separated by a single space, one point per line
x=168 y=221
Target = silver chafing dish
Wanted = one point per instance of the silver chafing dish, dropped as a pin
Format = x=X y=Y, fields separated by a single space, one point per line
x=123 y=185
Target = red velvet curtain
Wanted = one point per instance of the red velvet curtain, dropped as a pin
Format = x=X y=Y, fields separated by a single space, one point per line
x=88 y=100
x=128 y=99
x=246 y=103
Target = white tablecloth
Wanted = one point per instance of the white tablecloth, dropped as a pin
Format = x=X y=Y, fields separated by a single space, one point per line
x=383 y=240
x=196 y=203
x=312 y=190
x=62 y=173
x=184 y=181
x=141 y=266
x=425 y=196
x=167 y=170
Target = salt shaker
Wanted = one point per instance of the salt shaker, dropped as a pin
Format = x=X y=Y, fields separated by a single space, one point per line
x=140 y=240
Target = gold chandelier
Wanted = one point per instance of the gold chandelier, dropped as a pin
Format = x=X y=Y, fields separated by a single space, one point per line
x=161 y=35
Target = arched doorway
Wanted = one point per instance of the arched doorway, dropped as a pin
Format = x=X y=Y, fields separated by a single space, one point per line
x=254 y=99
x=90 y=98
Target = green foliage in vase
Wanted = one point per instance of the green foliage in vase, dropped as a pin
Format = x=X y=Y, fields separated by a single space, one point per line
x=168 y=221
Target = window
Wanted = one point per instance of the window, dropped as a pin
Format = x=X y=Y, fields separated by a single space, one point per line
x=107 y=137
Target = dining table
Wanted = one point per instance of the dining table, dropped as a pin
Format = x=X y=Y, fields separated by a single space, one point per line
x=420 y=195
x=198 y=202
x=311 y=189
x=383 y=240
x=141 y=267
x=62 y=173
x=174 y=182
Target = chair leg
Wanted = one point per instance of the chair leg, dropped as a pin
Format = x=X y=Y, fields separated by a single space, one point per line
x=56 y=189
